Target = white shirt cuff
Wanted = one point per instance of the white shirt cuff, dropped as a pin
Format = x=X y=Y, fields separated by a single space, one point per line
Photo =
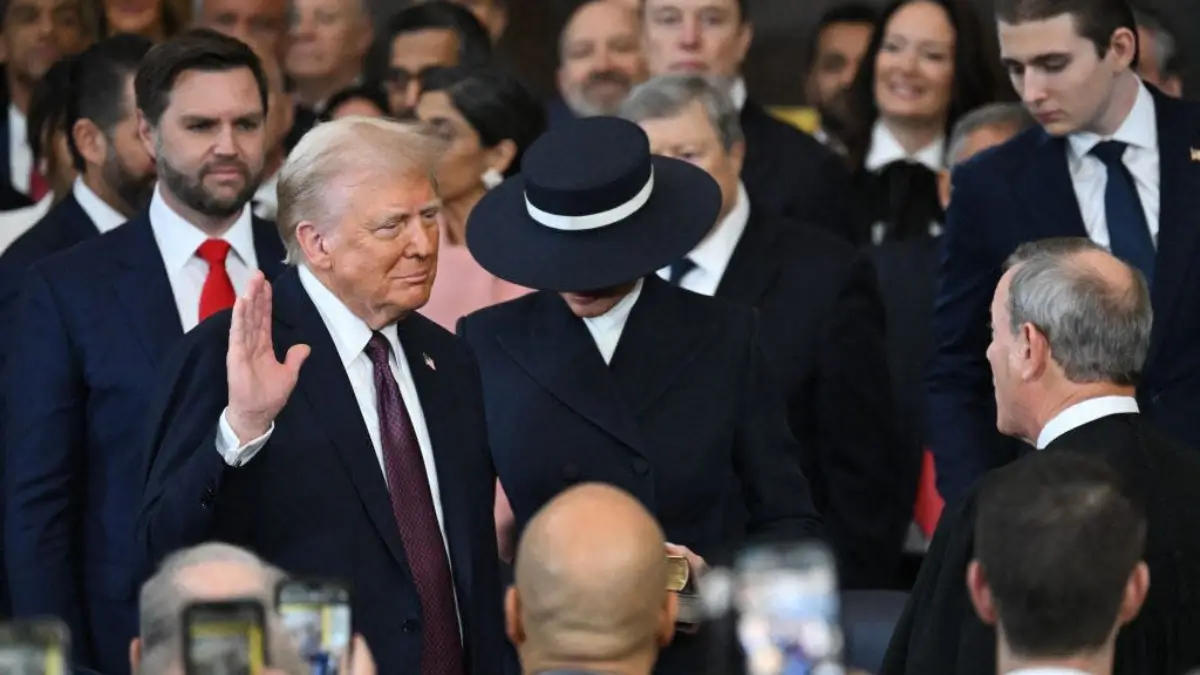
x=235 y=453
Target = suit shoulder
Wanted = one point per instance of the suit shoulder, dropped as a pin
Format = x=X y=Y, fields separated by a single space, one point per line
x=87 y=260
x=716 y=310
x=503 y=313
x=1004 y=158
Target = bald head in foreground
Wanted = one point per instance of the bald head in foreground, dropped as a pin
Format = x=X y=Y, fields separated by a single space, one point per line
x=590 y=591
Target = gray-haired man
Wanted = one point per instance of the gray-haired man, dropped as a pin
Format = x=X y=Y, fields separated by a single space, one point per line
x=821 y=322
x=1070 y=332
x=982 y=128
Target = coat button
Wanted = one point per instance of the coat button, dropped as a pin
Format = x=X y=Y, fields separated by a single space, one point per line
x=409 y=626
x=641 y=466
x=570 y=472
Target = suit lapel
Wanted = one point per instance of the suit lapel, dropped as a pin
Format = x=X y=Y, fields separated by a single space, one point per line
x=1045 y=187
x=143 y=289
x=753 y=266
x=554 y=347
x=326 y=389
x=439 y=403
x=268 y=248
x=659 y=341
x=1179 y=214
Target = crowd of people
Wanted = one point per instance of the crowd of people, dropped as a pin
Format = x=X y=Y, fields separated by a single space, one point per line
x=343 y=295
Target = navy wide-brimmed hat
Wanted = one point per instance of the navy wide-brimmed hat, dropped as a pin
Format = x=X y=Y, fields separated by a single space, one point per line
x=591 y=208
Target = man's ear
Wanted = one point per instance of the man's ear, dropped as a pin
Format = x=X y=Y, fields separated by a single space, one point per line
x=512 y=617
x=666 y=619
x=1034 y=350
x=1136 y=589
x=944 y=188
x=1122 y=47
x=146 y=134
x=314 y=244
x=981 y=593
x=135 y=655
x=737 y=153
x=89 y=141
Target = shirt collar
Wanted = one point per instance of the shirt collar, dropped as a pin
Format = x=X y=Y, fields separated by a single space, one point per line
x=885 y=149
x=16 y=120
x=737 y=93
x=1083 y=413
x=615 y=318
x=266 y=202
x=1140 y=128
x=349 y=332
x=178 y=239
x=713 y=253
x=102 y=215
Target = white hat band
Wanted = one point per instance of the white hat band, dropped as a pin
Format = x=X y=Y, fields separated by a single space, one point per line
x=593 y=221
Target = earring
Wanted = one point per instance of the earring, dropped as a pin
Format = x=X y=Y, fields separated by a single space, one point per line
x=491 y=178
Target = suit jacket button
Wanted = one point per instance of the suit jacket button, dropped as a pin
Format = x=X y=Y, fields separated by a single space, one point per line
x=570 y=472
x=409 y=626
x=641 y=466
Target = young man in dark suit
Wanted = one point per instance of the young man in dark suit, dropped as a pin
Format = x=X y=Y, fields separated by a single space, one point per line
x=1071 y=327
x=370 y=465
x=822 y=328
x=1113 y=160
x=94 y=325
x=609 y=373
x=786 y=171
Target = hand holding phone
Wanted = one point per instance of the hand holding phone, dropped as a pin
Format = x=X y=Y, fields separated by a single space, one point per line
x=316 y=615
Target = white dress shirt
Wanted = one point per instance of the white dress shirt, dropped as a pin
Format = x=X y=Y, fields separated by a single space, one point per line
x=606 y=329
x=885 y=149
x=1083 y=413
x=1090 y=176
x=20 y=156
x=178 y=240
x=103 y=216
x=712 y=255
x=17 y=222
x=266 y=201
x=738 y=93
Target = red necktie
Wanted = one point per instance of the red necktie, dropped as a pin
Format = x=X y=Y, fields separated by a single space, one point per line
x=218 y=289
x=412 y=507
x=38 y=187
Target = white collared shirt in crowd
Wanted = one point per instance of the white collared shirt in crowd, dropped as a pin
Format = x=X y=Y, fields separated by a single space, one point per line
x=178 y=240
x=738 y=93
x=885 y=149
x=713 y=253
x=1090 y=177
x=350 y=336
x=606 y=329
x=103 y=215
x=20 y=156
x=1083 y=413
x=17 y=222
x=266 y=201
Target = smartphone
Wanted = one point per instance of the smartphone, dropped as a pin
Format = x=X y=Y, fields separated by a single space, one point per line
x=225 y=638
x=34 y=647
x=316 y=616
x=788 y=610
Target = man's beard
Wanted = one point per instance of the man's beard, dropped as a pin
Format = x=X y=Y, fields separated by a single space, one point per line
x=133 y=191
x=586 y=104
x=191 y=191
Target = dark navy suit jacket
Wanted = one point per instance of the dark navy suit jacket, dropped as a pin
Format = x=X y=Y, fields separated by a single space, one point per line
x=313 y=501
x=685 y=419
x=1020 y=192
x=94 y=325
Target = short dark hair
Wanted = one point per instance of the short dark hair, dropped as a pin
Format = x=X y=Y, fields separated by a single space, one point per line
x=197 y=49
x=104 y=67
x=365 y=92
x=1095 y=20
x=474 y=44
x=495 y=104
x=742 y=5
x=1057 y=538
x=48 y=104
x=846 y=12
x=976 y=76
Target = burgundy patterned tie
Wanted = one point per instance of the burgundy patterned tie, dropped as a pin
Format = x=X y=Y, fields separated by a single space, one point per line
x=412 y=506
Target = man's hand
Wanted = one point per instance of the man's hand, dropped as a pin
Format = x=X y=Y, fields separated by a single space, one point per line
x=259 y=385
x=697 y=564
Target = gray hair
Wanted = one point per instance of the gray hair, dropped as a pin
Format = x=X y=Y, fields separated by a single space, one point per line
x=163 y=600
x=333 y=149
x=668 y=95
x=1004 y=115
x=1164 y=40
x=1098 y=329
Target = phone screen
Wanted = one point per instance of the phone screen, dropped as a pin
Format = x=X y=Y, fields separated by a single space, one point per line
x=225 y=638
x=33 y=648
x=316 y=615
x=787 y=599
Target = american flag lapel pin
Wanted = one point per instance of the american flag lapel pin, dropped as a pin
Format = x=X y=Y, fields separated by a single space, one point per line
x=429 y=362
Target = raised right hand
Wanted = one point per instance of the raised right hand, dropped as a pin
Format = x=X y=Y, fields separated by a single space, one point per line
x=259 y=385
